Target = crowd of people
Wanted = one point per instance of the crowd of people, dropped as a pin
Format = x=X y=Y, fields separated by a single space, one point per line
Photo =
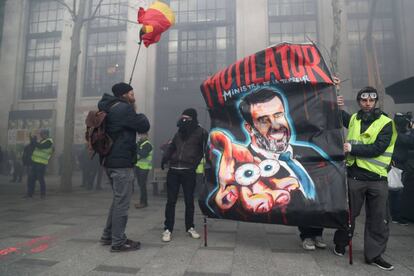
x=374 y=143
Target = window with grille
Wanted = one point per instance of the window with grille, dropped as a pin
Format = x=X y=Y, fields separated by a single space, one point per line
x=201 y=42
x=105 y=55
x=43 y=50
x=385 y=41
x=292 y=21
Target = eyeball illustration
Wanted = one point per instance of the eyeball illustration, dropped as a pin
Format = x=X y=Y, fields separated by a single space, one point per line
x=247 y=174
x=269 y=167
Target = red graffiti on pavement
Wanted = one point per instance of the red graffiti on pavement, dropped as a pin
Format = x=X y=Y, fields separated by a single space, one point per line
x=7 y=251
x=34 y=241
x=36 y=245
x=40 y=248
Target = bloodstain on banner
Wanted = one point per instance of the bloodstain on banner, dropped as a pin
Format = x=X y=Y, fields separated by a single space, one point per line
x=275 y=143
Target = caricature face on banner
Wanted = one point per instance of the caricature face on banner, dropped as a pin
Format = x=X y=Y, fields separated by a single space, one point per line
x=275 y=144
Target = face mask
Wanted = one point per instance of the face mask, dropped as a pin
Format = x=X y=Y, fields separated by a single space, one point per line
x=182 y=122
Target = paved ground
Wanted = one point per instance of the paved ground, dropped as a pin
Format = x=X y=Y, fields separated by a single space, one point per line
x=59 y=236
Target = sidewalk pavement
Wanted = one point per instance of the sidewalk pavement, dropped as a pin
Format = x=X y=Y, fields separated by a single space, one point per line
x=59 y=236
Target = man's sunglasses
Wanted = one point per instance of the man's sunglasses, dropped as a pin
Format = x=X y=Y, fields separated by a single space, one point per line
x=367 y=95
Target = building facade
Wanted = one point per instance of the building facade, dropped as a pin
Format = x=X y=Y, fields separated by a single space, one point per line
x=35 y=42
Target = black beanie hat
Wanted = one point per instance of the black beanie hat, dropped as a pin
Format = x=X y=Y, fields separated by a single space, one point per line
x=121 y=88
x=367 y=89
x=190 y=112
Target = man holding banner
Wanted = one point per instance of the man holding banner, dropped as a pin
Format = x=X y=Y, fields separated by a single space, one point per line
x=369 y=147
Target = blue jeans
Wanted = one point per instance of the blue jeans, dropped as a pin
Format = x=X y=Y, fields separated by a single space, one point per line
x=121 y=180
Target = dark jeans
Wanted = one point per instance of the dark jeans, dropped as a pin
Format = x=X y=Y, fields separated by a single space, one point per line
x=394 y=198
x=121 y=182
x=142 y=176
x=37 y=173
x=187 y=178
x=375 y=196
x=407 y=196
x=309 y=232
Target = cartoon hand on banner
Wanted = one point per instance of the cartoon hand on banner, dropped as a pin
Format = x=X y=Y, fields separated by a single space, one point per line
x=245 y=177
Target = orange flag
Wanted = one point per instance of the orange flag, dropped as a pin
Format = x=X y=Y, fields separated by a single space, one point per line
x=155 y=20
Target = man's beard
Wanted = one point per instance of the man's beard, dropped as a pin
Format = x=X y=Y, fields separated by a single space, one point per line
x=272 y=145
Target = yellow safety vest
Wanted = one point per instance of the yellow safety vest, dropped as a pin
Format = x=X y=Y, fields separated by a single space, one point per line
x=200 y=167
x=145 y=163
x=378 y=164
x=42 y=156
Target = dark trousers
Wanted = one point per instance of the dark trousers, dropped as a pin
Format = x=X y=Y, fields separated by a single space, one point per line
x=37 y=173
x=375 y=196
x=309 y=232
x=407 y=196
x=121 y=181
x=187 y=178
x=142 y=176
x=394 y=198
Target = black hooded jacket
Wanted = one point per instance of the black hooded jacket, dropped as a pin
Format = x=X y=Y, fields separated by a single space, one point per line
x=122 y=125
x=187 y=152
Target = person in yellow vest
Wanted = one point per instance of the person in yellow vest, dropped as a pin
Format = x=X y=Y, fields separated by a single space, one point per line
x=368 y=148
x=143 y=167
x=42 y=152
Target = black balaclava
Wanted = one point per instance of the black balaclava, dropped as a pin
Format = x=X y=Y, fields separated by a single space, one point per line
x=185 y=126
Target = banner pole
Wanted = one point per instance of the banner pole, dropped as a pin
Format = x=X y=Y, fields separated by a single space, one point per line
x=135 y=63
x=350 y=238
x=341 y=122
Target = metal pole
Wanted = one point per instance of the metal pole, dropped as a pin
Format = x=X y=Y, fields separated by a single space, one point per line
x=135 y=63
x=205 y=231
x=346 y=184
x=350 y=238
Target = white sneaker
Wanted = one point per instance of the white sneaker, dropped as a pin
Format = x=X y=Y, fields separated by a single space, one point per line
x=193 y=233
x=308 y=244
x=166 y=236
x=319 y=243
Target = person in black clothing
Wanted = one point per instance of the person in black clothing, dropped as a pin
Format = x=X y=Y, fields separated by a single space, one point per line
x=122 y=125
x=403 y=149
x=183 y=154
x=17 y=171
x=89 y=168
x=369 y=147
x=407 y=195
x=27 y=157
